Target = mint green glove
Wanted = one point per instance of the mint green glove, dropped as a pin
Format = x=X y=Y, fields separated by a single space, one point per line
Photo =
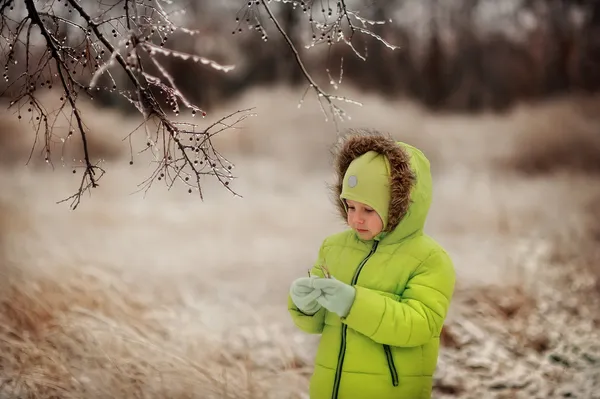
x=337 y=296
x=304 y=295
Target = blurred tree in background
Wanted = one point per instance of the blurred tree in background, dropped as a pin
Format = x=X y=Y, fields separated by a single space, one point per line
x=473 y=55
x=458 y=55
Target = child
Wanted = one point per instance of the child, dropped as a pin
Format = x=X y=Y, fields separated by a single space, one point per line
x=381 y=311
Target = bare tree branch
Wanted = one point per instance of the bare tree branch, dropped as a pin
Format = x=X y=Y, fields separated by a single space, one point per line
x=330 y=31
x=335 y=110
x=81 y=56
x=67 y=84
x=121 y=47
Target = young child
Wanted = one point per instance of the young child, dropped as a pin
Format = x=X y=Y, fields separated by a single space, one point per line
x=381 y=310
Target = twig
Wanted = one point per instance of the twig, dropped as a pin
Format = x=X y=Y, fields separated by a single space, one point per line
x=86 y=52
x=90 y=169
x=324 y=270
x=335 y=110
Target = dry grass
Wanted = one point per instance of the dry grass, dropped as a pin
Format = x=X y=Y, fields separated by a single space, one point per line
x=578 y=245
x=76 y=335
x=536 y=337
x=592 y=249
x=562 y=135
x=164 y=296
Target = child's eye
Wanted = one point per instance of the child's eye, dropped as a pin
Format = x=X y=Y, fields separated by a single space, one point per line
x=350 y=208
x=368 y=210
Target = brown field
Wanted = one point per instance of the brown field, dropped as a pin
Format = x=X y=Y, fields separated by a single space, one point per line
x=166 y=296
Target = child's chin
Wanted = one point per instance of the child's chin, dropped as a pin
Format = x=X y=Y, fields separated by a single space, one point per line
x=364 y=234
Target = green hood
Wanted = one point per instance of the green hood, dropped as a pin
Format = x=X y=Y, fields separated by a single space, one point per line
x=410 y=182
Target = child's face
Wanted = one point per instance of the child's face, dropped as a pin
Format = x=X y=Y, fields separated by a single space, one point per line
x=364 y=220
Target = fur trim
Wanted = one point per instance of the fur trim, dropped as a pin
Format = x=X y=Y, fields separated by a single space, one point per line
x=357 y=142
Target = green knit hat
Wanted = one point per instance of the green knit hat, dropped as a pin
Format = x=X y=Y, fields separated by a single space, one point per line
x=367 y=180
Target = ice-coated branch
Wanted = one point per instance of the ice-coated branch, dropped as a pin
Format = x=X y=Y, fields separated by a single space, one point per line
x=124 y=39
x=336 y=24
x=335 y=109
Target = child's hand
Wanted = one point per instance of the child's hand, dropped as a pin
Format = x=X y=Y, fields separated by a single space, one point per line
x=337 y=296
x=304 y=295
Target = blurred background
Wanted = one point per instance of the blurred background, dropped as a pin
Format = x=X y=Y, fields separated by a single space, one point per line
x=159 y=294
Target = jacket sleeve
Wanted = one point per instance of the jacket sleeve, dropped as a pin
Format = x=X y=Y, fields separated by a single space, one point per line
x=312 y=324
x=420 y=313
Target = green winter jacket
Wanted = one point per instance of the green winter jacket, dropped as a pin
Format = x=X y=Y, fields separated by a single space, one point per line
x=387 y=346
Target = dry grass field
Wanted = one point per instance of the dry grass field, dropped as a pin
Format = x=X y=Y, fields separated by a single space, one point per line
x=155 y=296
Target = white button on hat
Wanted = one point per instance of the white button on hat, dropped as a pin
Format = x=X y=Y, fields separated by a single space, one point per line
x=352 y=181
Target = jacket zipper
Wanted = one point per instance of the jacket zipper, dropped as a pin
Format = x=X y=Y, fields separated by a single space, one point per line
x=338 y=370
x=391 y=365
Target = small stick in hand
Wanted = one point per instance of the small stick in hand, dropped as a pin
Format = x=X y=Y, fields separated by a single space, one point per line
x=325 y=270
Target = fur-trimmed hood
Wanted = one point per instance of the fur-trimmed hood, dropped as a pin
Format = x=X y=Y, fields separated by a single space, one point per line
x=410 y=178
